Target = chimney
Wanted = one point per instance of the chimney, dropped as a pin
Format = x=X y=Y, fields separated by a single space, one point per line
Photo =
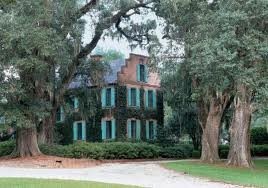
x=96 y=58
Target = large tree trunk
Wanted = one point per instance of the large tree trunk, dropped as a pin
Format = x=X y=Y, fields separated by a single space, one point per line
x=211 y=127
x=26 y=143
x=210 y=137
x=46 y=133
x=239 y=154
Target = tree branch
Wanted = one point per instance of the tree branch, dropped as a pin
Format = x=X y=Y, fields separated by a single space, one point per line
x=104 y=24
x=86 y=8
x=117 y=25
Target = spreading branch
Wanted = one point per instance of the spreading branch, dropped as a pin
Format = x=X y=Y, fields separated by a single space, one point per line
x=86 y=8
x=103 y=25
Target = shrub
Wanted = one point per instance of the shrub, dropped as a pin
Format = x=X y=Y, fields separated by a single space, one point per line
x=260 y=150
x=196 y=154
x=259 y=135
x=6 y=148
x=106 y=150
x=223 y=151
x=256 y=150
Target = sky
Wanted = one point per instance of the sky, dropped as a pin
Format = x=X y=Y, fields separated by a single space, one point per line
x=121 y=45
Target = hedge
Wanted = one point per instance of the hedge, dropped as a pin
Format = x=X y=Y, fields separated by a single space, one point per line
x=256 y=150
x=259 y=135
x=6 y=148
x=117 y=150
x=126 y=150
x=108 y=150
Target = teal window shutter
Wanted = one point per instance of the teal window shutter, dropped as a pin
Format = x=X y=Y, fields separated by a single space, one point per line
x=154 y=99
x=146 y=73
x=138 y=97
x=113 y=96
x=138 y=129
x=103 y=97
x=103 y=129
x=75 y=131
x=83 y=130
x=147 y=129
x=113 y=128
x=129 y=128
x=146 y=99
x=155 y=129
x=129 y=96
x=76 y=103
x=138 y=72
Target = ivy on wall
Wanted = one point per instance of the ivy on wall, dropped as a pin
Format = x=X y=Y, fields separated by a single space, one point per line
x=90 y=110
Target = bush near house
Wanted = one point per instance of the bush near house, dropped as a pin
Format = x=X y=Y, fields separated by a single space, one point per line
x=118 y=150
x=109 y=150
x=256 y=150
x=259 y=135
x=126 y=150
x=6 y=148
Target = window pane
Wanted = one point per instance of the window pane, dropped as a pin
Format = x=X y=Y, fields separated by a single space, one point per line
x=150 y=98
x=133 y=96
x=133 y=128
x=151 y=129
x=142 y=73
x=79 y=129
x=108 y=129
x=108 y=96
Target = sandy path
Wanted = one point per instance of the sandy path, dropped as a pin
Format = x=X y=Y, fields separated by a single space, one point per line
x=144 y=174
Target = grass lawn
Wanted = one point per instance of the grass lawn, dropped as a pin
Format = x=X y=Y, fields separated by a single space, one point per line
x=41 y=183
x=257 y=177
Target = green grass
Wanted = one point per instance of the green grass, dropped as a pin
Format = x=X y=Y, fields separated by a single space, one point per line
x=257 y=177
x=41 y=183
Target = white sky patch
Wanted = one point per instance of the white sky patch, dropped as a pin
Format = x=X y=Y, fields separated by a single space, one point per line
x=121 y=45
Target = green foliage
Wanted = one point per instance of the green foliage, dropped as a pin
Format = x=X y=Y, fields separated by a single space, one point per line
x=178 y=94
x=256 y=150
x=196 y=154
x=117 y=150
x=6 y=148
x=259 y=135
x=260 y=150
x=109 y=54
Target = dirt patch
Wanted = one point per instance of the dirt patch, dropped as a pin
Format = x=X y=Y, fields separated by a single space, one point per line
x=47 y=162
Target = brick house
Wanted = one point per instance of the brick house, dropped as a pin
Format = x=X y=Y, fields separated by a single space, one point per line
x=130 y=105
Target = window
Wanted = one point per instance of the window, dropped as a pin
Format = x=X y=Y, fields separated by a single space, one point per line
x=133 y=97
x=151 y=129
x=108 y=129
x=133 y=128
x=108 y=96
x=60 y=114
x=75 y=103
x=79 y=130
x=150 y=99
x=142 y=73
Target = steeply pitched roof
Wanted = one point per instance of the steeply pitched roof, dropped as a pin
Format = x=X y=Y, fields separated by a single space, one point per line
x=109 y=78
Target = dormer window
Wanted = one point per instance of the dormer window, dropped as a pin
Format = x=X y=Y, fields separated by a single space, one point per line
x=142 y=72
